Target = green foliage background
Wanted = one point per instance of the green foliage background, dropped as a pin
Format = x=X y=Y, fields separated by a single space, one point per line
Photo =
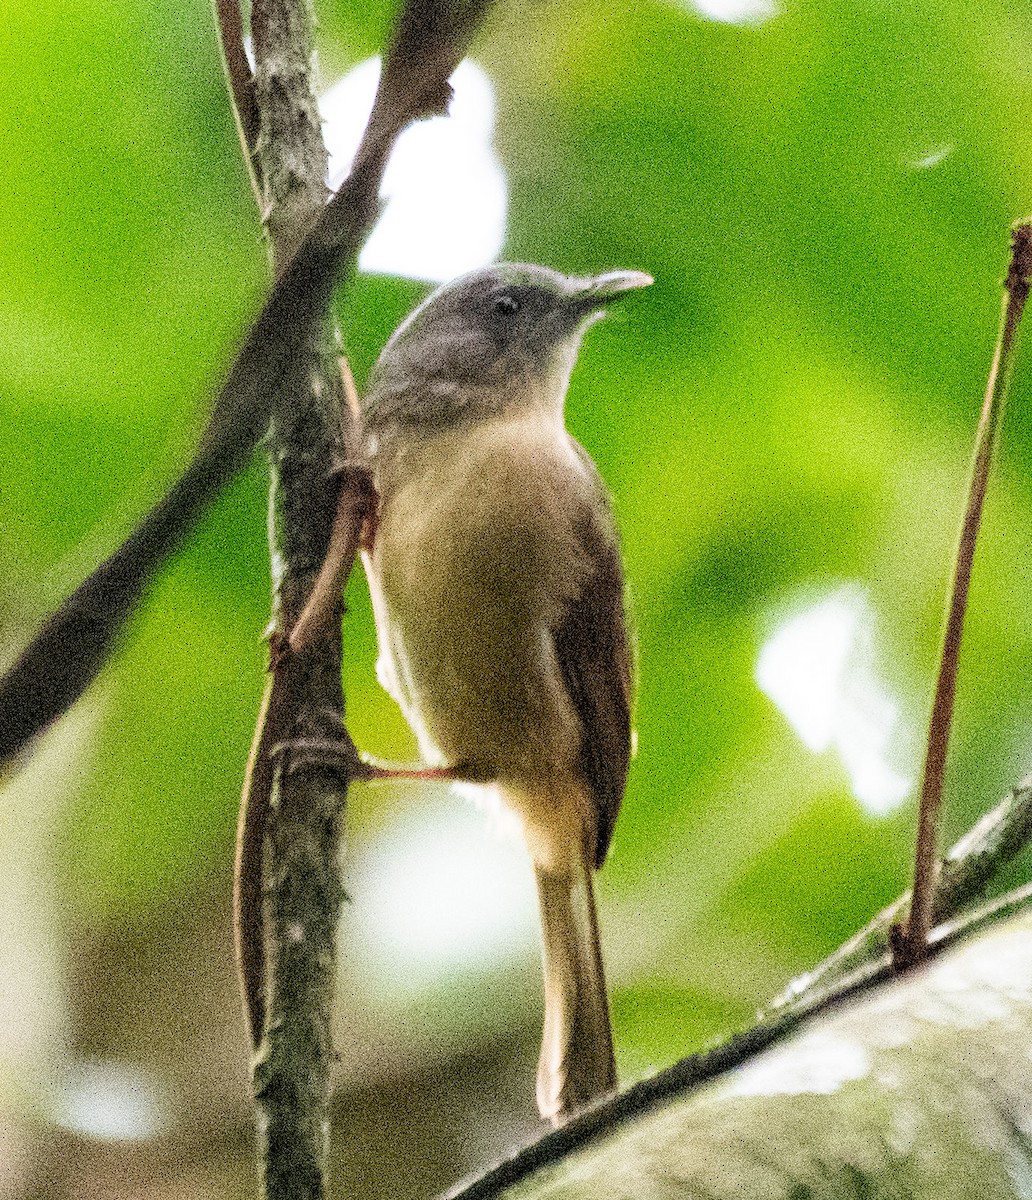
x=788 y=410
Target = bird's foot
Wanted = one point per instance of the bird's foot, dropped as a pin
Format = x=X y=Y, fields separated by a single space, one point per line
x=378 y=769
x=336 y=753
x=340 y=754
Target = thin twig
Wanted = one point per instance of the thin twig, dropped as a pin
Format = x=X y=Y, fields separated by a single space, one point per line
x=355 y=507
x=354 y=522
x=968 y=869
x=240 y=82
x=909 y=941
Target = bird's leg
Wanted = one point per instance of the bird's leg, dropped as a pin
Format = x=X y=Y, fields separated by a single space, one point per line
x=460 y=773
x=354 y=528
x=340 y=753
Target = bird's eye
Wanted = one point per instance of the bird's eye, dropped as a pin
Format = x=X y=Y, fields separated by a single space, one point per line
x=506 y=305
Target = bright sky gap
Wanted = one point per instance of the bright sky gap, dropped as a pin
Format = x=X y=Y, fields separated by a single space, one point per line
x=736 y=12
x=819 y=668
x=446 y=191
x=444 y=892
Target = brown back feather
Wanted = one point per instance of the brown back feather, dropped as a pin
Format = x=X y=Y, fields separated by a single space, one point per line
x=594 y=656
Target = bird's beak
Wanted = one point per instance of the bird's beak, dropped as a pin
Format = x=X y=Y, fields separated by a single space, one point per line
x=602 y=289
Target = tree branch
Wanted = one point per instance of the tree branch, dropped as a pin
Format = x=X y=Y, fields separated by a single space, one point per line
x=968 y=869
x=645 y=1098
x=293 y=808
x=288 y=887
x=860 y=964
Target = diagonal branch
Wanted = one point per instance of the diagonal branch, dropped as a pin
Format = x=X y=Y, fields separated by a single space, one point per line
x=513 y=1176
x=74 y=643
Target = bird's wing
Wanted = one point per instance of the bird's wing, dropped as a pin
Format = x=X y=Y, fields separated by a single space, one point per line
x=594 y=655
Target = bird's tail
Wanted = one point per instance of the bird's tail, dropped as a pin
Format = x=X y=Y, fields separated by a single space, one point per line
x=576 y=1064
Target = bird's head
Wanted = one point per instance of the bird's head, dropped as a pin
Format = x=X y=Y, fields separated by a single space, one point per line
x=498 y=337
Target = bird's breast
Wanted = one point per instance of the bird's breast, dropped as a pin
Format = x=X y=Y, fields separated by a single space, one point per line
x=475 y=561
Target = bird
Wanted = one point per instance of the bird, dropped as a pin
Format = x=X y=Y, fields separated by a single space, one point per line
x=497 y=590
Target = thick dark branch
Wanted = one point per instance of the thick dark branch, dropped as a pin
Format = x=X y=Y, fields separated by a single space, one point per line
x=74 y=643
x=860 y=964
x=67 y=654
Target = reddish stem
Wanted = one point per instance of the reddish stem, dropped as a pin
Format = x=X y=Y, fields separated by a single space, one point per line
x=910 y=942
